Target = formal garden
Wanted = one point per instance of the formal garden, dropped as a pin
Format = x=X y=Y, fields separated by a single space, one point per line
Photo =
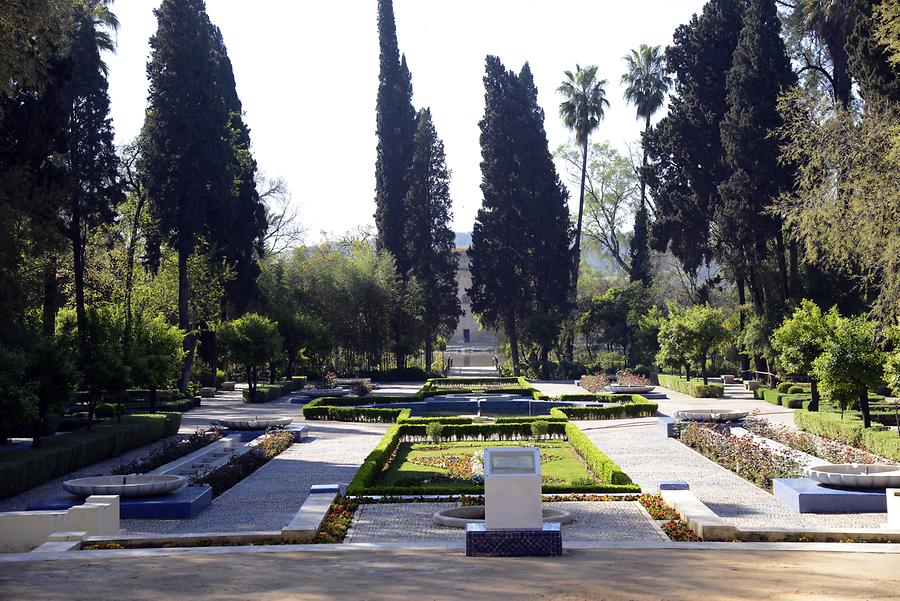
x=688 y=338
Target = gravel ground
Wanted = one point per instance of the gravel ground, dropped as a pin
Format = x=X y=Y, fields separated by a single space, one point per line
x=411 y=523
x=269 y=498
x=642 y=452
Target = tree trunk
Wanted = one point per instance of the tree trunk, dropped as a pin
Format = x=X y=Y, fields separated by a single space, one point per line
x=513 y=335
x=576 y=254
x=251 y=383
x=184 y=317
x=271 y=372
x=153 y=400
x=782 y=266
x=429 y=351
x=78 y=269
x=840 y=73
x=50 y=306
x=703 y=369
x=742 y=298
x=129 y=276
x=864 y=406
x=814 y=394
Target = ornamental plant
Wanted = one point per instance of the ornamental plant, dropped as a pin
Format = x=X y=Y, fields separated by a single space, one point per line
x=799 y=341
x=625 y=377
x=251 y=341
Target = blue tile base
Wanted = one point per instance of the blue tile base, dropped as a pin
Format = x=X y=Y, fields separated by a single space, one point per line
x=182 y=504
x=808 y=496
x=481 y=542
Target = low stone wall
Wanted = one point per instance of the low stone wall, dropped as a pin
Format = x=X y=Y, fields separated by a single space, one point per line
x=22 y=531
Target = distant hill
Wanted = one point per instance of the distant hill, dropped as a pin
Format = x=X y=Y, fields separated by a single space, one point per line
x=463 y=239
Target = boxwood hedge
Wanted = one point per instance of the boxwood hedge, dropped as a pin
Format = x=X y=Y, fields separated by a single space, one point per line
x=694 y=388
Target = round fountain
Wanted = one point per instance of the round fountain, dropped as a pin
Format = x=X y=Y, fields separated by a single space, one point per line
x=623 y=389
x=857 y=475
x=458 y=517
x=710 y=415
x=255 y=423
x=134 y=485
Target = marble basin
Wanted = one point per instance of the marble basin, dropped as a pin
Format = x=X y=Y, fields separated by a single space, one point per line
x=458 y=517
x=857 y=475
x=320 y=392
x=135 y=485
x=710 y=415
x=255 y=423
x=619 y=389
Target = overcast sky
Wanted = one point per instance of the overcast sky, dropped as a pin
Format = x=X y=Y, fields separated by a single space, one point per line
x=307 y=74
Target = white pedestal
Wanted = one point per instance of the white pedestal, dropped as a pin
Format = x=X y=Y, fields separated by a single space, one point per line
x=893 y=507
x=512 y=488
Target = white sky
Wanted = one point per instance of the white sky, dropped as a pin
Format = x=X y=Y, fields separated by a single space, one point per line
x=307 y=74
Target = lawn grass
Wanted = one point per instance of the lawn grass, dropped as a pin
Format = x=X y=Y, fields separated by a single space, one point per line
x=437 y=466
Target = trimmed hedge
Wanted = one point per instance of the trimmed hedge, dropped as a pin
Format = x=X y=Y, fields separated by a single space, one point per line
x=162 y=396
x=878 y=440
x=527 y=419
x=638 y=406
x=482 y=432
x=693 y=388
x=518 y=386
x=270 y=392
x=344 y=409
x=179 y=406
x=602 y=466
x=22 y=469
x=434 y=420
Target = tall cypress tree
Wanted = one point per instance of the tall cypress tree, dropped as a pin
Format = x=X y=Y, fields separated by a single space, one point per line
x=429 y=239
x=188 y=157
x=759 y=73
x=519 y=254
x=395 y=126
x=91 y=155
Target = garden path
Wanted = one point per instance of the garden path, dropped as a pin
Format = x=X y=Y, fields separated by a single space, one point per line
x=641 y=450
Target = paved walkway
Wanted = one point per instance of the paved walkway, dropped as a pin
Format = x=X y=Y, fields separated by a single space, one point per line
x=640 y=449
x=411 y=523
x=727 y=573
x=270 y=496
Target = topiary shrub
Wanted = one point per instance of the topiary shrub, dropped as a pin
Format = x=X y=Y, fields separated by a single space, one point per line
x=784 y=387
x=539 y=429
x=435 y=432
x=105 y=410
x=796 y=390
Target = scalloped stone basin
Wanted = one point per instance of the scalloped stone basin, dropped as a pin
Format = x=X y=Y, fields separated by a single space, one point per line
x=135 y=485
x=617 y=389
x=857 y=475
x=255 y=423
x=710 y=415
x=468 y=396
x=458 y=517
x=320 y=392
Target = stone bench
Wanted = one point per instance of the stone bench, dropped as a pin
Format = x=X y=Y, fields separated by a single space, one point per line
x=306 y=523
x=227 y=386
x=207 y=392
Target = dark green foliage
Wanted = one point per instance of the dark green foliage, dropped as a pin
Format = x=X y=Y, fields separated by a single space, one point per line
x=877 y=78
x=23 y=469
x=439 y=420
x=617 y=317
x=641 y=270
x=693 y=388
x=880 y=441
x=520 y=261
x=429 y=240
x=395 y=127
x=637 y=406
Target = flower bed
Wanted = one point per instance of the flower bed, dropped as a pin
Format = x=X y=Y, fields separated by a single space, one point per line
x=240 y=466
x=172 y=450
x=877 y=439
x=832 y=451
x=742 y=455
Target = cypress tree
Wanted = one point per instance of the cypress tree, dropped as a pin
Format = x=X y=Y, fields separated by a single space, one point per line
x=395 y=126
x=91 y=156
x=877 y=78
x=641 y=270
x=188 y=157
x=760 y=72
x=430 y=241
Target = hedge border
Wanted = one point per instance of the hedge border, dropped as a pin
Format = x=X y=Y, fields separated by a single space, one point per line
x=270 y=392
x=638 y=406
x=374 y=464
x=23 y=469
x=880 y=441
x=514 y=385
x=693 y=388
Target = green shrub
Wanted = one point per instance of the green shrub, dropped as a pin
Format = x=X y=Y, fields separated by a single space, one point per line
x=796 y=401
x=694 y=388
x=526 y=419
x=759 y=392
x=602 y=466
x=105 y=410
x=771 y=395
x=22 y=469
x=373 y=464
x=516 y=385
x=434 y=431
x=784 y=387
x=439 y=420
x=342 y=409
x=638 y=406
x=878 y=439
x=539 y=429
x=179 y=406
x=796 y=390
x=482 y=432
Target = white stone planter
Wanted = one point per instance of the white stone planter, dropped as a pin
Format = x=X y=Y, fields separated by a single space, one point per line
x=458 y=517
x=320 y=392
x=135 y=485
x=857 y=475
x=710 y=415
x=255 y=423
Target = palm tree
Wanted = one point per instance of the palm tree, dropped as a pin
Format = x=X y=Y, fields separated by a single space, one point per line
x=646 y=86
x=830 y=22
x=581 y=111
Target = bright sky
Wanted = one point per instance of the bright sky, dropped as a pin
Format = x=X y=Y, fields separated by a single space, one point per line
x=307 y=74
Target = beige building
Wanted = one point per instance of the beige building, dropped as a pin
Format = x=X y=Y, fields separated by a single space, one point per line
x=469 y=332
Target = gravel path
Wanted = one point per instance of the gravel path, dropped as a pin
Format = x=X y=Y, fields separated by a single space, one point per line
x=269 y=498
x=645 y=455
x=411 y=523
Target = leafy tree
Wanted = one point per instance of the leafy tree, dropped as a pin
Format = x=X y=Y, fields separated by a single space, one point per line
x=251 y=341
x=647 y=84
x=581 y=111
x=158 y=354
x=799 y=341
x=616 y=318
x=851 y=363
x=395 y=127
x=887 y=29
x=91 y=155
x=853 y=228
x=430 y=241
x=706 y=329
x=674 y=341
x=188 y=170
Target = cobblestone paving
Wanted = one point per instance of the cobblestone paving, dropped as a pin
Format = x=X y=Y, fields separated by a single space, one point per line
x=644 y=454
x=411 y=523
x=269 y=498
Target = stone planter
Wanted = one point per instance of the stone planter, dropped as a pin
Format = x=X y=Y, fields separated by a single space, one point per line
x=255 y=424
x=752 y=384
x=135 y=485
x=458 y=517
x=621 y=389
x=320 y=392
x=856 y=475
x=710 y=415
x=727 y=379
x=227 y=386
x=207 y=392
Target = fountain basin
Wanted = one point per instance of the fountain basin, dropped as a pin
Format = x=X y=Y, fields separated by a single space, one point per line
x=135 y=485
x=326 y=392
x=710 y=415
x=857 y=475
x=458 y=517
x=620 y=389
x=255 y=423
